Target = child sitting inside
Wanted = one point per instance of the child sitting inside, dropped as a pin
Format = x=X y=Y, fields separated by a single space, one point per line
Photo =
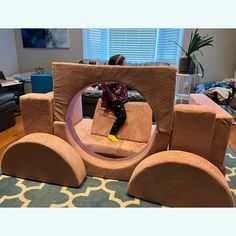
x=115 y=95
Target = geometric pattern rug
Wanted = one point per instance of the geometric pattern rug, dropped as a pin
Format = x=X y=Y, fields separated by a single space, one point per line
x=93 y=192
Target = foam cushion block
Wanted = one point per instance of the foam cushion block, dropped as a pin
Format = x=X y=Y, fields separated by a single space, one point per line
x=180 y=179
x=102 y=145
x=221 y=132
x=46 y=158
x=193 y=128
x=137 y=126
x=37 y=112
x=96 y=143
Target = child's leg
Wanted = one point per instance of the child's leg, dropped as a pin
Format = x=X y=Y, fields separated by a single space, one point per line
x=119 y=111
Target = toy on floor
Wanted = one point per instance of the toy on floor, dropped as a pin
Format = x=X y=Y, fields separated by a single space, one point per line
x=197 y=129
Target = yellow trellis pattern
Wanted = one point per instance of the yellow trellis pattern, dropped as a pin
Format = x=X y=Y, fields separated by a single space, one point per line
x=103 y=187
x=20 y=195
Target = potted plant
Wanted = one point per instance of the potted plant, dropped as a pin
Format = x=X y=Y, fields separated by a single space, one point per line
x=189 y=63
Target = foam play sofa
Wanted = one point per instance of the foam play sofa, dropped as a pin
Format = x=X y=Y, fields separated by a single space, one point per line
x=179 y=147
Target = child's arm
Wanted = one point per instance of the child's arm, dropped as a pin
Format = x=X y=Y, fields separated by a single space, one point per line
x=108 y=93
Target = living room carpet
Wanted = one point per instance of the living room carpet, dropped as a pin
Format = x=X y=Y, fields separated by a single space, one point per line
x=94 y=192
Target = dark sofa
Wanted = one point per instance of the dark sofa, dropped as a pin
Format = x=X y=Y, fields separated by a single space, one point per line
x=7 y=106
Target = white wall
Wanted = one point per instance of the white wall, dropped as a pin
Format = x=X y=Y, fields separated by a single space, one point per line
x=8 y=55
x=218 y=61
x=29 y=58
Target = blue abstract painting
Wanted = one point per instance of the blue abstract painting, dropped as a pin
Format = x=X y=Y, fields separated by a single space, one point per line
x=45 y=38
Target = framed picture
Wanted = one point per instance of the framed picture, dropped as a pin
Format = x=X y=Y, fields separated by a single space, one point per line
x=45 y=38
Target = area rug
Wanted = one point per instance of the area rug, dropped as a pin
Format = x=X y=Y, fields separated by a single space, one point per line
x=94 y=192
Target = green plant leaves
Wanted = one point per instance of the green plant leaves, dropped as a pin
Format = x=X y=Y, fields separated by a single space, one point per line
x=195 y=44
x=197 y=41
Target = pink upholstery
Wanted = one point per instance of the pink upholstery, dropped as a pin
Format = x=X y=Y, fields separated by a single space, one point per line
x=96 y=143
x=102 y=145
x=44 y=157
x=70 y=79
x=77 y=113
x=193 y=128
x=97 y=165
x=202 y=99
x=180 y=179
x=37 y=112
x=137 y=126
x=221 y=132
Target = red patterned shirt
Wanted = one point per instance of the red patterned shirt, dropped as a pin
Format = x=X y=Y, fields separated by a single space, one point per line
x=114 y=91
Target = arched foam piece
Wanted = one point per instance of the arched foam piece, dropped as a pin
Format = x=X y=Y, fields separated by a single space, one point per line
x=44 y=157
x=180 y=179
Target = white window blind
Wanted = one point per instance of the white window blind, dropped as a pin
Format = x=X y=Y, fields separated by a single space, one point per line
x=137 y=45
x=95 y=44
x=167 y=50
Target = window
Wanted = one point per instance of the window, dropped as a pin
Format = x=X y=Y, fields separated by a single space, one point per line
x=137 y=45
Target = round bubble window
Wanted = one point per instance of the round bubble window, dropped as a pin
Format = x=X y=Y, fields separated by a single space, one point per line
x=86 y=131
x=100 y=115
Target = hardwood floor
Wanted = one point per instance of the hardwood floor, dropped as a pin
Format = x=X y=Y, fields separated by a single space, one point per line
x=10 y=135
x=16 y=132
